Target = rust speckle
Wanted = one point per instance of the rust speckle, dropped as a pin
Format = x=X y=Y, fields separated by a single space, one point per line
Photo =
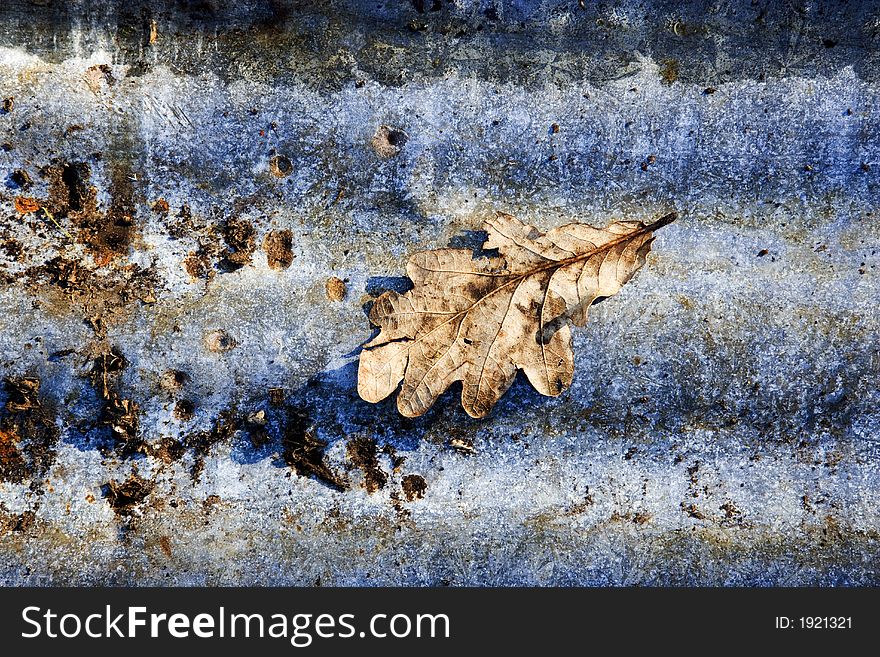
x=167 y=450
x=12 y=465
x=210 y=503
x=692 y=511
x=197 y=266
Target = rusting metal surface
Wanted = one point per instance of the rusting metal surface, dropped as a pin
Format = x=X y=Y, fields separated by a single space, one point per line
x=199 y=201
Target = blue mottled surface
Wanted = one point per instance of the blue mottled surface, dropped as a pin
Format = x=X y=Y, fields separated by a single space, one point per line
x=722 y=428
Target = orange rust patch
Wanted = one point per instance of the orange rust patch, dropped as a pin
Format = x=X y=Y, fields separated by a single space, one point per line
x=9 y=447
x=26 y=205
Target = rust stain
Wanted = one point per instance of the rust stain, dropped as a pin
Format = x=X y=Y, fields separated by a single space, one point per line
x=26 y=205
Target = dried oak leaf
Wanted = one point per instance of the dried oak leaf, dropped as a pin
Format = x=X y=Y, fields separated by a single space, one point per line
x=479 y=320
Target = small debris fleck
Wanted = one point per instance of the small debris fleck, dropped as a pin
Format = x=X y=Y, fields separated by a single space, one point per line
x=257 y=418
x=219 y=341
x=99 y=76
x=414 y=487
x=388 y=141
x=669 y=71
x=20 y=178
x=276 y=397
x=278 y=246
x=184 y=409
x=197 y=266
x=463 y=445
x=335 y=289
x=125 y=497
x=25 y=205
x=240 y=238
x=692 y=511
x=280 y=166
x=362 y=452
x=303 y=451
x=173 y=380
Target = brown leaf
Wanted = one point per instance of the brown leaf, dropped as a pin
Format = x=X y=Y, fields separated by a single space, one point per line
x=479 y=320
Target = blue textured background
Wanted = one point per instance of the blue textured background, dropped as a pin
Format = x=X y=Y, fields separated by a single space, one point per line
x=722 y=427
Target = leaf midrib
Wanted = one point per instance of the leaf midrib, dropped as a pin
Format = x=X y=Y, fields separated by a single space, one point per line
x=556 y=264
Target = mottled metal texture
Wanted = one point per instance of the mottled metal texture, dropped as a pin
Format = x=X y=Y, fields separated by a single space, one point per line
x=191 y=414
